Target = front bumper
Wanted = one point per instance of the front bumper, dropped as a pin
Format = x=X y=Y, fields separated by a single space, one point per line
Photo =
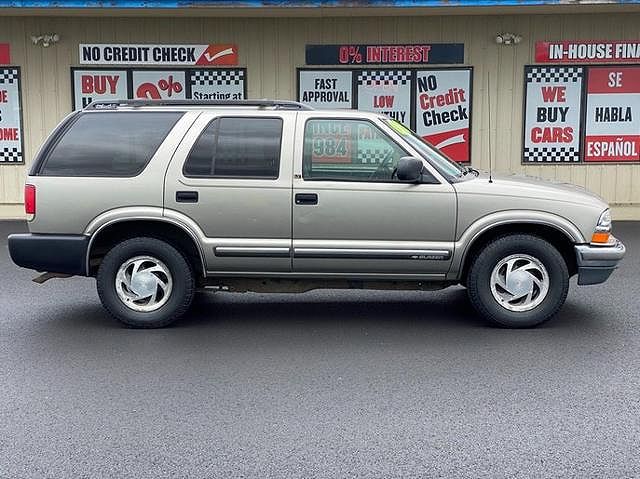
x=51 y=253
x=596 y=263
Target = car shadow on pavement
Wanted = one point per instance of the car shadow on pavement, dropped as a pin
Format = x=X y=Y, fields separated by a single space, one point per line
x=449 y=309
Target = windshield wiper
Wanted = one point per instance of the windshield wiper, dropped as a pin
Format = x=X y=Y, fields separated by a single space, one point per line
x=467 y=170
x=473 y=170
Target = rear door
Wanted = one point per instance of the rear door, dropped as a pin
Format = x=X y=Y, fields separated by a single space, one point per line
x=231 y=175
x=351 y=216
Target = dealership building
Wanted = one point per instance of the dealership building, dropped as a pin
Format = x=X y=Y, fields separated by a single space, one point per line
x=548 y=88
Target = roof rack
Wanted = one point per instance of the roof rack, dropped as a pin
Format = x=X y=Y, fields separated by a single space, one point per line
x=276 y=104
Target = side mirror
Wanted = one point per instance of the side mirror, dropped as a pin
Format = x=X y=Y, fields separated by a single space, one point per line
x=409 y=169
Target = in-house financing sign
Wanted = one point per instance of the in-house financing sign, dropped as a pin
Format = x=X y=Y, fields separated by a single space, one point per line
x=134 y=54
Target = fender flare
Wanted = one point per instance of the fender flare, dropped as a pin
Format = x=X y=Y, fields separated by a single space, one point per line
x=147 y=213
x=501 y=218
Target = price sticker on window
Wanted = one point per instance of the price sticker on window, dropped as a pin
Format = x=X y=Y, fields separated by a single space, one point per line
x=331 y=142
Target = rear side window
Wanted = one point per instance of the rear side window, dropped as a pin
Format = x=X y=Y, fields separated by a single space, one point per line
x=109 y=144
x=237 y=148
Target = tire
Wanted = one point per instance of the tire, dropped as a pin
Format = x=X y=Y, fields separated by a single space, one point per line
x=151 y=298
x=518 y=256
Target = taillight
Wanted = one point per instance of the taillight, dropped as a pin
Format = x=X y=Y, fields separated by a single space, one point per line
x=30 y=199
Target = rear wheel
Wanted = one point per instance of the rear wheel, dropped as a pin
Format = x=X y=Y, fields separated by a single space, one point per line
x=145 y=283
x=518 y=281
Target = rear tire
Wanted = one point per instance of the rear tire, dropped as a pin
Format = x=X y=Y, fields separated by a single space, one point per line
x=518 y=281
x=145 y=283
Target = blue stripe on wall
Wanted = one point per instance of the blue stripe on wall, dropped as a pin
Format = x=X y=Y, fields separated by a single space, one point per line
x=283 y=3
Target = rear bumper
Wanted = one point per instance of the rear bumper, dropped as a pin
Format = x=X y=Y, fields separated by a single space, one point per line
x=51 y=253
x=596 y=263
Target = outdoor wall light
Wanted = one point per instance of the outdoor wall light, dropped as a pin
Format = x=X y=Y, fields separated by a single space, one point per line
x=45 y=40
x=508 y=38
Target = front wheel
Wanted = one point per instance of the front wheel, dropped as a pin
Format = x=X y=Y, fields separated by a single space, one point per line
x=518 y=281
x=145 y=283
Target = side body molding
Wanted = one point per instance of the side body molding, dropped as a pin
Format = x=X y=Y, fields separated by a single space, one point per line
x=486 y=223
x=145 y=213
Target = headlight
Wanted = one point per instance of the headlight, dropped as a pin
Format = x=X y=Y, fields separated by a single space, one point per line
x=602 y=234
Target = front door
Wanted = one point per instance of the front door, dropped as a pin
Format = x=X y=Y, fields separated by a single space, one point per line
x=352 y=216
x=231 y=175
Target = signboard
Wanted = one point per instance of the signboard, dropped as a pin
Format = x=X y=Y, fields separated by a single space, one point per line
x=92 y=85
x=5 y=54
x=436 y=102
x=588 y=52
x=158 y=85
x=11 y=144
x=208 y=84
x=177 y=84
x=418 y=54
x=387 y=92
x=443 y=110
x=326 y=88
x=552 y=114
x=137 y=54
x=612 y=127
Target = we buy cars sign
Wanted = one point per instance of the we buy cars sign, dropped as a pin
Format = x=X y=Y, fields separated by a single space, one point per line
x=135 y=54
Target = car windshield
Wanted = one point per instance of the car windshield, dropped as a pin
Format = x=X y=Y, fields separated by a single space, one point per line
x=440 y=161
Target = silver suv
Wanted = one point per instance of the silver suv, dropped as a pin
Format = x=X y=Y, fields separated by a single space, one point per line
x=159 y=199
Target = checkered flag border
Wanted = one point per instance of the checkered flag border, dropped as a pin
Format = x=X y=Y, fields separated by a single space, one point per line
x=372 y=156
x=555 y=74
x=8 y=76
x=10 y=155
x=384 y=77
x=217 y=77
x=549 y=154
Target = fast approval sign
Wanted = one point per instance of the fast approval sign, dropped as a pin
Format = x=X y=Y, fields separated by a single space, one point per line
x=11 y=144
x=136 y=54
x=443 y=110
x=326 y=88
x=612 y=127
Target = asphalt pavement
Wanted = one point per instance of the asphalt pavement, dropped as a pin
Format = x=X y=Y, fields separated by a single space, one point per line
x=325 y=384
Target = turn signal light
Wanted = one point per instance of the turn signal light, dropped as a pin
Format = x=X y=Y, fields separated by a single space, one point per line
x=600 y=237
x=30 y=199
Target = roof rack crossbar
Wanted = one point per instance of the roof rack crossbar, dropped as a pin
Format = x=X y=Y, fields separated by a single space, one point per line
x=277 y=104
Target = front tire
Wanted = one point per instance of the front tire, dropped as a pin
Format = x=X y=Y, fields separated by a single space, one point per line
x=145 y=283
x=518 y=281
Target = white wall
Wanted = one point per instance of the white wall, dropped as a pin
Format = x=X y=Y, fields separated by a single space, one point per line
x=272 y=48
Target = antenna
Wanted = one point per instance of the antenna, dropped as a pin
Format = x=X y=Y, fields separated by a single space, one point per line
x=489 y=115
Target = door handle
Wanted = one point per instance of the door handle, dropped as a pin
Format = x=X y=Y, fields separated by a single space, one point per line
x=186 y=196
x=306 y=199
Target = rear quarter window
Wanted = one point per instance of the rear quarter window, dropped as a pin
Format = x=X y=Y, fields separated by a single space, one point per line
x=118 y=144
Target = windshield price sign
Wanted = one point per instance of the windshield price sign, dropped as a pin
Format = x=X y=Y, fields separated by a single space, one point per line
x=417 y=54
x=11 y=144
x=134 y=54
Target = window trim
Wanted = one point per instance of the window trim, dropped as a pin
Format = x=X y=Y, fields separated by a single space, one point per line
x=234 y=177
x=67 y=126
x=433 y=181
